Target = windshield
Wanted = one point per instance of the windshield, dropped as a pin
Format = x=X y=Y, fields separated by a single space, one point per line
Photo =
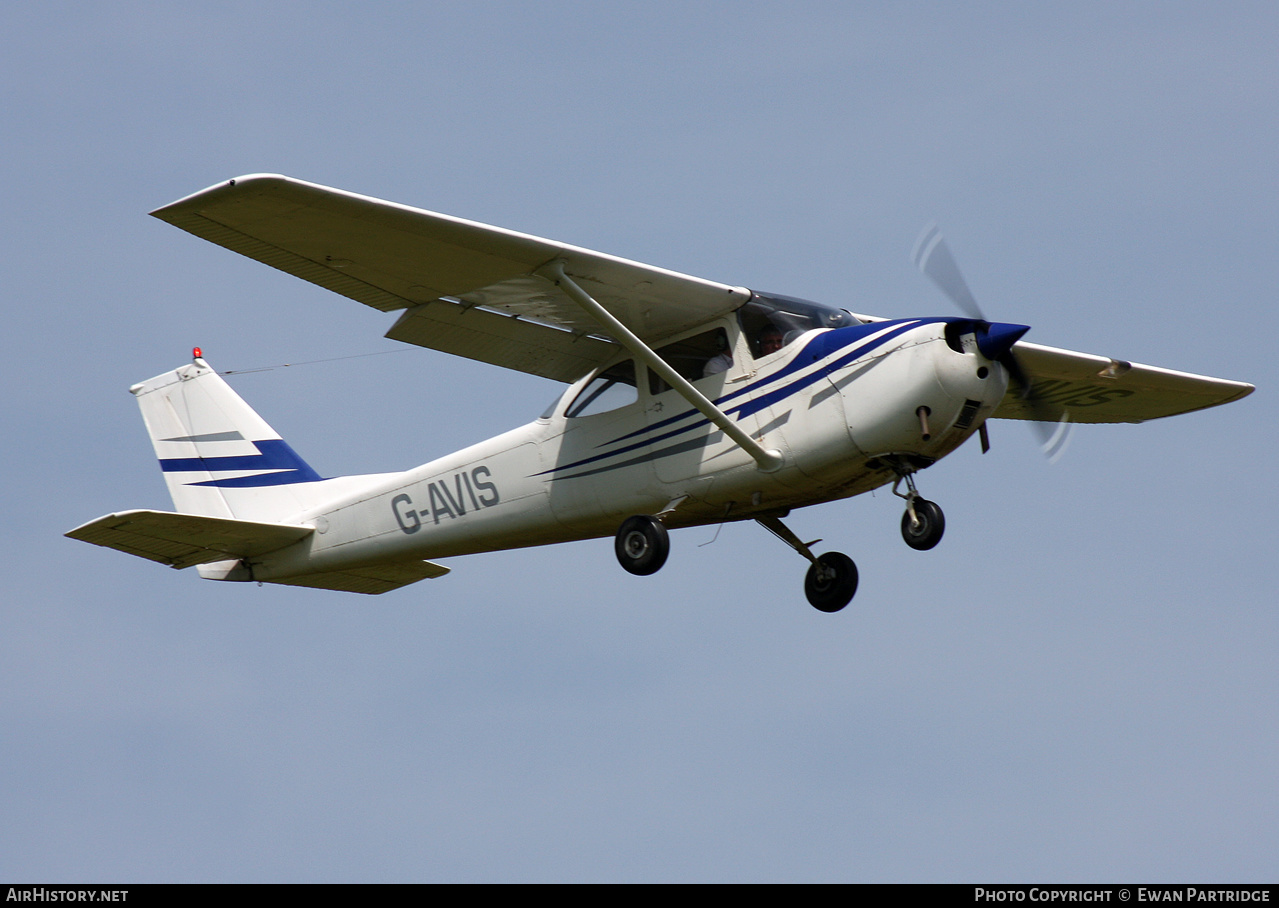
x=770 y=321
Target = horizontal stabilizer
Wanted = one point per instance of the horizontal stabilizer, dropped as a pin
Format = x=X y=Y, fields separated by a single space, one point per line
x=371 y=579
x=182 y=540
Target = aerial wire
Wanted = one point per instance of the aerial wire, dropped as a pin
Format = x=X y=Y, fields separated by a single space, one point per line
x=311 y=362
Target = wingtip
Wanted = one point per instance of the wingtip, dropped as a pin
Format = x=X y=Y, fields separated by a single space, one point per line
x=217 y=189
x=1243 y=392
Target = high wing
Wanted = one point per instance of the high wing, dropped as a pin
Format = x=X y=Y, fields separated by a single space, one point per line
x=1095 y=389
x=493 y=295
x=467 y=288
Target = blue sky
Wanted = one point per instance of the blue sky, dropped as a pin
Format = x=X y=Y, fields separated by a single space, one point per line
x=1077 y=684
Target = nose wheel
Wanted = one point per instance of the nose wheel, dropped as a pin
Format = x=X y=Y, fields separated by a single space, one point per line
x=923 y=523
x=923 y=529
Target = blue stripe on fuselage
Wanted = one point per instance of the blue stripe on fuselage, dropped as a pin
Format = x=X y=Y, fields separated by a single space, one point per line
x=818 y=350
x=820 y=347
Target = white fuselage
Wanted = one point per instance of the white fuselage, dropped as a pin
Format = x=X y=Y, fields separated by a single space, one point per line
x=842 y=405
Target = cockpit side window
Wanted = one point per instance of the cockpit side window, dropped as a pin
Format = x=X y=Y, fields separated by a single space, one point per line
x=771 y=322
x=694 y=358
x=613 y=388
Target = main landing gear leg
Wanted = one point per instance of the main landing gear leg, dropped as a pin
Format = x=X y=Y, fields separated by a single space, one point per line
x=923 y=523
x=832 y=578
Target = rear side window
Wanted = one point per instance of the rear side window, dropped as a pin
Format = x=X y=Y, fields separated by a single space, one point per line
x=694 y=358
x=611 y=389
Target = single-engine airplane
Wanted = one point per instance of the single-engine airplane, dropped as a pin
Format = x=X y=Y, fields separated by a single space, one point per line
x=689 y=403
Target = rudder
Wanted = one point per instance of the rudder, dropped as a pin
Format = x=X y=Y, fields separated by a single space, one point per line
x=218 y=456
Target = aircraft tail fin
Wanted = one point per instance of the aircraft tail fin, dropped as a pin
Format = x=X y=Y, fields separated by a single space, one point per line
x=239 y=489
x=218 y=456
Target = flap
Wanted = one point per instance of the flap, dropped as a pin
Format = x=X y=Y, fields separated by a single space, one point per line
x=501 y=340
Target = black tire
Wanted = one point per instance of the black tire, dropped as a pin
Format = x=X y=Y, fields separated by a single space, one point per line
x=928 y=532
x=832 y=588
x=642 y=545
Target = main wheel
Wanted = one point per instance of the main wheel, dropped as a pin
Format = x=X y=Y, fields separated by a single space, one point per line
x=642 y=545
x=831 y=582
x=927 y=532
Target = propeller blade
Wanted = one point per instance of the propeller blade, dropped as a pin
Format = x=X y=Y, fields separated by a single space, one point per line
x=932 y=257
x=1058 y=438
x=1051 y=423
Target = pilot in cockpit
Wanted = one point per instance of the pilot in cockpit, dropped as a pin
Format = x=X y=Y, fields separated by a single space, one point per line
x=769 y=341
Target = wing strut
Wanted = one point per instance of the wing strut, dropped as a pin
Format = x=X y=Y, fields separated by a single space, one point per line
x=768 y=460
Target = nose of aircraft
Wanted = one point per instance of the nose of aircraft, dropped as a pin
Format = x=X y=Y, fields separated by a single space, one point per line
x=998 y=339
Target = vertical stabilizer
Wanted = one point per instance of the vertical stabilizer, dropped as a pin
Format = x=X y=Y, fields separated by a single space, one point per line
x=219 y=458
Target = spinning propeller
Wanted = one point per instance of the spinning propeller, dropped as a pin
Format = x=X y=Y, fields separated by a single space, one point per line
x=995 y=339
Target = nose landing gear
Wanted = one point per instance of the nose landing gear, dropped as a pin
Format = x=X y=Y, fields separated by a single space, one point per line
x=923 y=523
x=923 y=528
